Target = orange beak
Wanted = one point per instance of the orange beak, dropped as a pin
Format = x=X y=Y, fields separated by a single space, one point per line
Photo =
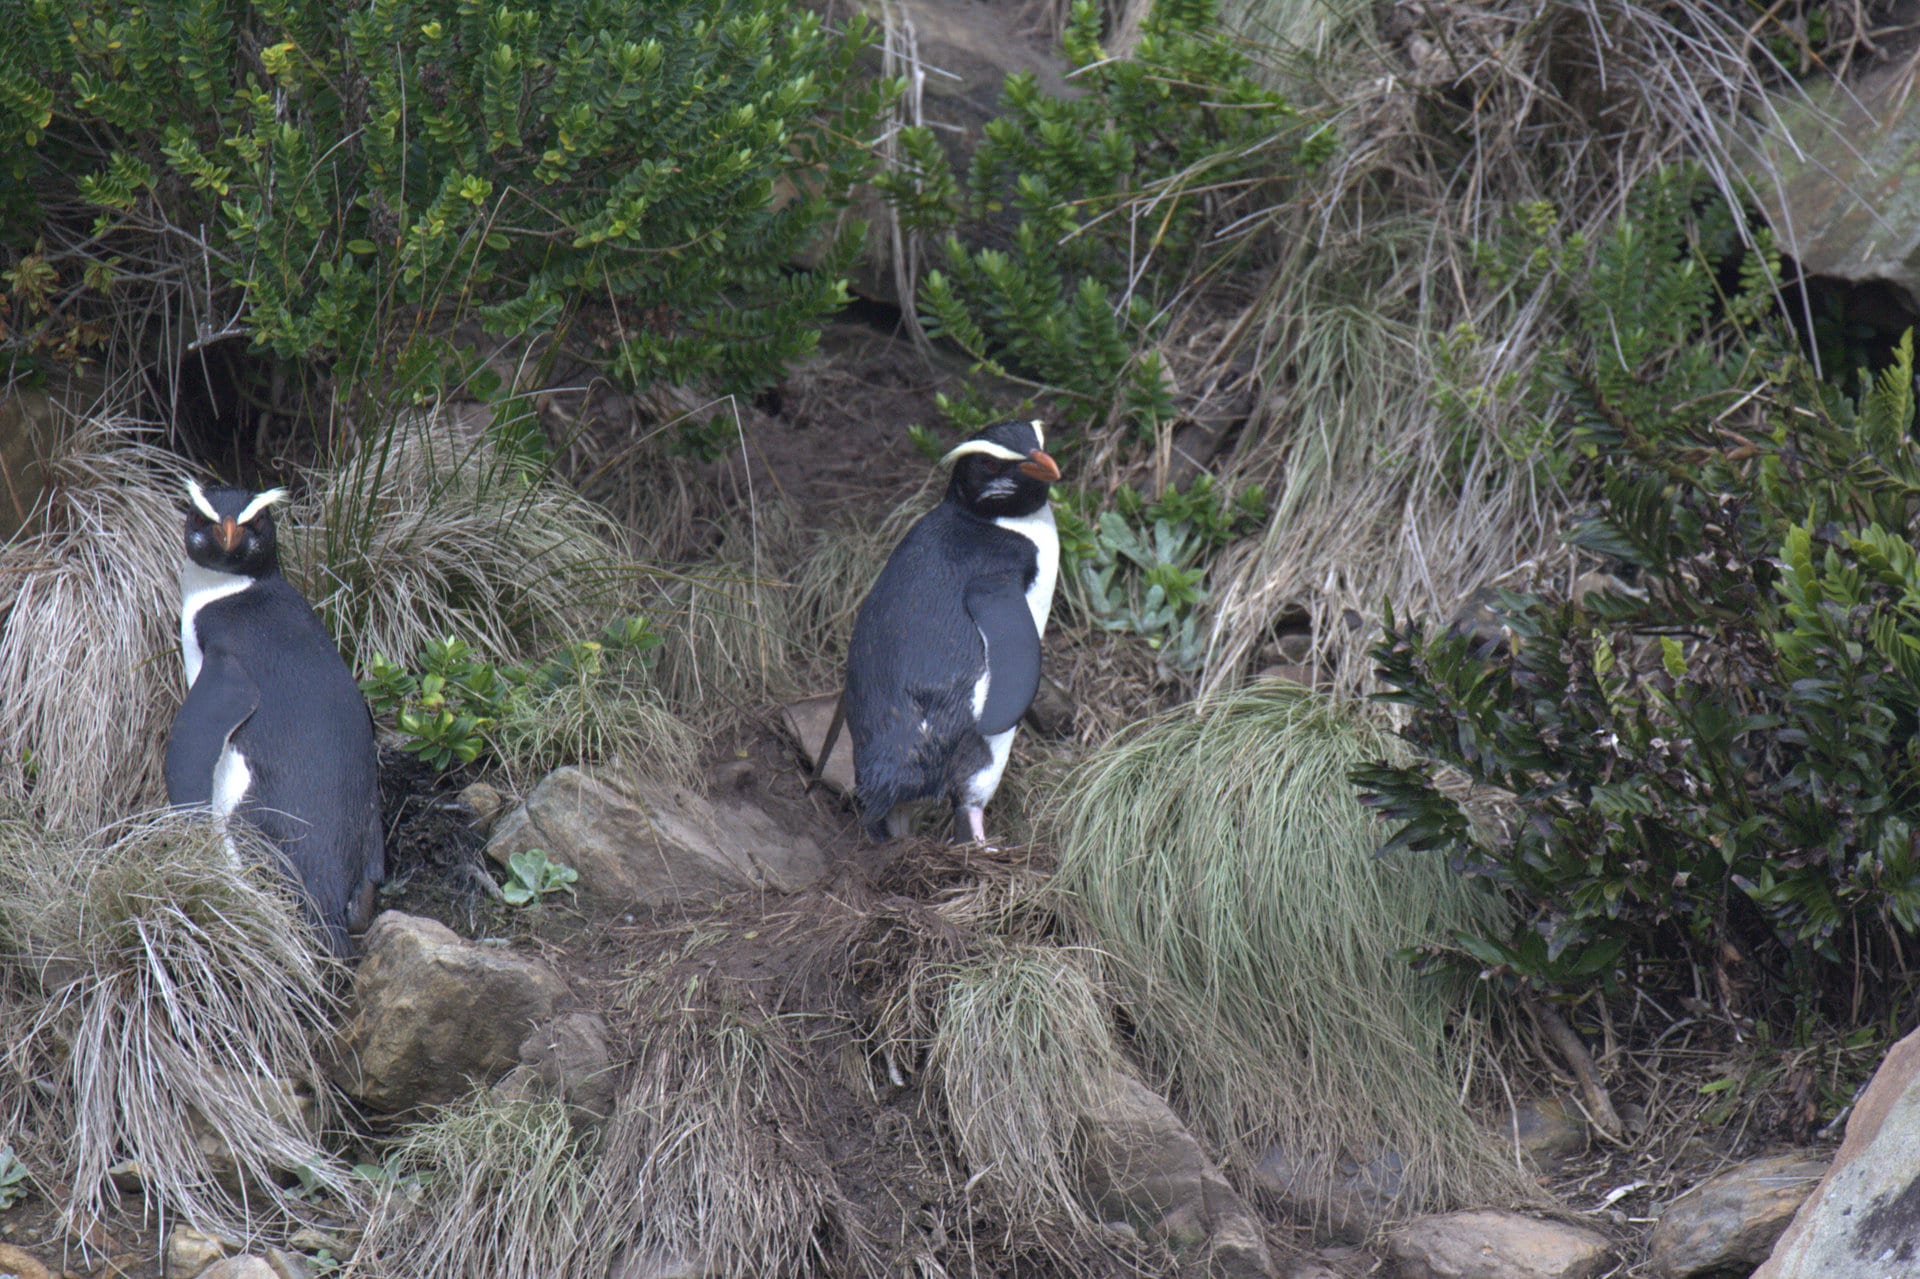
x=1041 y=467
x=227 y=534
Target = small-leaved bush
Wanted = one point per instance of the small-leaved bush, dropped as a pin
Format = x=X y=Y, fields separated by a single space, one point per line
x=590 y=702
x=1139 y=566
x=1082 y=215
x=1716 y=756
x=333 y=181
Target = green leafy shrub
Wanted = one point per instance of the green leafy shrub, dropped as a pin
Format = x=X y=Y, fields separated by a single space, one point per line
x=1081 y=216
x=1140 y=566
x=1720 y=750
x=591 y=702
x=332 y=180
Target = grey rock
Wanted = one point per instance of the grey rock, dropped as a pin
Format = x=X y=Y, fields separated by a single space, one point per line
x=288 y=1105
x=567 y=1060
x=637 y=842
x=1847 y=204
x=1549 y=1130
x=1730 y=1221
x=1347 y=1198
x=1495 y=1245
x=431 y=1013
x=1863 y=1220
x=1143 y=1167
x=246 y=1266
x=190 y=1251
x=485 y=803
x=288 y=1265
x=806 y=722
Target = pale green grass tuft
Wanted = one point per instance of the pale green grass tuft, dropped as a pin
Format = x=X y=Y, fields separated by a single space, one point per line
x=1022 y=1053
x=429 y=529
x=490 y=1186
x=89 y=630
x=708 y=1159
x=606 y=712
x=173 y=993
x=1219 y=856
x=727 y=621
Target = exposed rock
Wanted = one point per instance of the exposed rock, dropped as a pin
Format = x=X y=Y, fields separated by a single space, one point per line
x=567 y=1060
x=640 y=1264
x=247 y=1266
x=1730 y=1221
x=289 y=1105
x=288 y=1265
x=485 y=803
x=1051 y=714
x=642 y=843
x=189 y=1252
x=16 y=1262
x=1143 y=1167
x=1495 y=1245
x=1549 y=1130
x=1346 y=1198
x=1863 y=1220
x=1847 y=205
x=431 y=1013
x=807 y=723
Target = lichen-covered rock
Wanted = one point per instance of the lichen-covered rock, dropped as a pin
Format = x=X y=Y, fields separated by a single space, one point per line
x=807 y=723
x=246 y=1266
x=431 y=1014
x=1548 y=1130
x=1144 y=1168
x=1731 y=1221
x=190 y=1251
x=1495 y=1245
x=1863 y=1220
x=637 y=842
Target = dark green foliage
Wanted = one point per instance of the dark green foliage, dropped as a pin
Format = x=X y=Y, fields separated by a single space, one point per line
x=461 y=709
x=1720 y=750
x=1081 y=216
x=331 y=179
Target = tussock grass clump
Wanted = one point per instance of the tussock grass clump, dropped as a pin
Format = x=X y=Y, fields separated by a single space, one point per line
x=708 y=1157
x=1022 y=1052
x=595 y=716
x=1220 y=857
x=728 y=619
x=89 y=672
x=490 y=1186
x=173 y=993
x=430 y=529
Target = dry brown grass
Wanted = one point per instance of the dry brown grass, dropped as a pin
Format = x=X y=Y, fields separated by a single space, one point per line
x=163 y=992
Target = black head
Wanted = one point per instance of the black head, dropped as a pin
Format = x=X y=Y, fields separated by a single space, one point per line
x=231 y=530
x=1002 y=471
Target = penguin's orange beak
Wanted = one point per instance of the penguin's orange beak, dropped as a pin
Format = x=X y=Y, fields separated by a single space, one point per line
x=227 y=534
x=1041 y=467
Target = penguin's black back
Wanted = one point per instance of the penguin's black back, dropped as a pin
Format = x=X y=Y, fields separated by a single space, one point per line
x=915 y=657
x=309 y=745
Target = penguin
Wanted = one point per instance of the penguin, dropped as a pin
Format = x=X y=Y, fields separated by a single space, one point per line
x=274 y=730
x=945 y=656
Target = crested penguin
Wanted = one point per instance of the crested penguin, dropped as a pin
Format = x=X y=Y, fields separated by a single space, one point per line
x=273 y=729
x=945 y=655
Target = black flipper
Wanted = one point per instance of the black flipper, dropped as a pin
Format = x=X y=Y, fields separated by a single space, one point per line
x=220 y=701
x=998 y=606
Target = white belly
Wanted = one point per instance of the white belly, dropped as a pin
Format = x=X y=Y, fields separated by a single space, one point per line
x=981 y=786
x=1038 y=528
x=231 y=778
x=200 y=587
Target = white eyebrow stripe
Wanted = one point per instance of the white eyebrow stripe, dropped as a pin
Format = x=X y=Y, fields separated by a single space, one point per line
x=200 y=501
x=260 y=504
x=1039 y=433
x=988 y=447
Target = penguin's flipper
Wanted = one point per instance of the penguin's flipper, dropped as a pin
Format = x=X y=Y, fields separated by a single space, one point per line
x=219 y=702
x=998 y=606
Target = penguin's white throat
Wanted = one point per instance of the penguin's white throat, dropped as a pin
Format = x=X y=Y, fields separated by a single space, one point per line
x=199 y=587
